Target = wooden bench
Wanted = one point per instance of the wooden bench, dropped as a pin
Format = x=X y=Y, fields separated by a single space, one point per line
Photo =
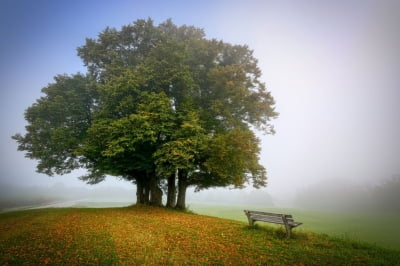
x=284 y=219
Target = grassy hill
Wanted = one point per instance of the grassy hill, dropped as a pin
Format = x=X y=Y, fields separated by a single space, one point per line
x=147 y=235
x=381 y=228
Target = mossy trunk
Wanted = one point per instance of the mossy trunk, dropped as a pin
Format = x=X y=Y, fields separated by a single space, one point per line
x=171 y=196
x=155 y=192
x=182 y=186
x=146 y=194
x=142 y=191
x=139 y=192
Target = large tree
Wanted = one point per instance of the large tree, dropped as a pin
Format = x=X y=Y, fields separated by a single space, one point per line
x=161 y=106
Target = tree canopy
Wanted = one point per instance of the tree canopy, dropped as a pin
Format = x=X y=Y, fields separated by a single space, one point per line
x=160 y=105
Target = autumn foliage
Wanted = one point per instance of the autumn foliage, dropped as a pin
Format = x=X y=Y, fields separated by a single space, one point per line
x=151 y=235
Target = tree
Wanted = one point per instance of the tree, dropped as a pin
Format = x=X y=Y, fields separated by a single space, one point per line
x=181 y=156
x=57 y=124
x=159 y=105
x=385 y=196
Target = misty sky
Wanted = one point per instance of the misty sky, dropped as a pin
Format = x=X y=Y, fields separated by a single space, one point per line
x=332 y=66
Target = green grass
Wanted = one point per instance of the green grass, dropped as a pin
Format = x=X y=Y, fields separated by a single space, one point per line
x=377 y=228
x=147 y=235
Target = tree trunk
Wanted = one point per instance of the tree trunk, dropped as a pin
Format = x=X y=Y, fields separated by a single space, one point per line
x=155 y=192
x=171 y=196
x=182 y=186
x=142 y=190
x=139 y=191
x=146 y=194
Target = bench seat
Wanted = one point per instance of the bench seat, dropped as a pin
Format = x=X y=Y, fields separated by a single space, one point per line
x=276 y=218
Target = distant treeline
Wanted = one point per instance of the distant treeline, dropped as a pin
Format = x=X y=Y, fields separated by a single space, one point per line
x=337 y=195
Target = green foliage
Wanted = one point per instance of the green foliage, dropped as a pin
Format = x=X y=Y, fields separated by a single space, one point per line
x=234 y=157
x=57 y=124
x=119 y=146
x=183 y=151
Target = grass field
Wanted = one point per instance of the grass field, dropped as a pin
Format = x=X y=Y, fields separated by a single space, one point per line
x=147 y=235
x=378 y=228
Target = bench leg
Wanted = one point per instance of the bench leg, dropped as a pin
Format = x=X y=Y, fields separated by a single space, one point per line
x=251 y=221
x=288 y=230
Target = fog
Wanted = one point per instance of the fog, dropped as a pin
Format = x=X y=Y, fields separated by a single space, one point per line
x=14 y=197
x=344 y=196
x=58 y=195
x=332 y=66
x=329 y=196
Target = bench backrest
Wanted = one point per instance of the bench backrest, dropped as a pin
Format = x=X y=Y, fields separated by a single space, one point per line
x=269 y=217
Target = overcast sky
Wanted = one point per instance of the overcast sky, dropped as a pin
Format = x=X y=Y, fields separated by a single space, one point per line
x=332 y=66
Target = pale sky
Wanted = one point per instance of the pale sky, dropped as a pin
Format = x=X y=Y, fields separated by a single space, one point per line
x=332 y=66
